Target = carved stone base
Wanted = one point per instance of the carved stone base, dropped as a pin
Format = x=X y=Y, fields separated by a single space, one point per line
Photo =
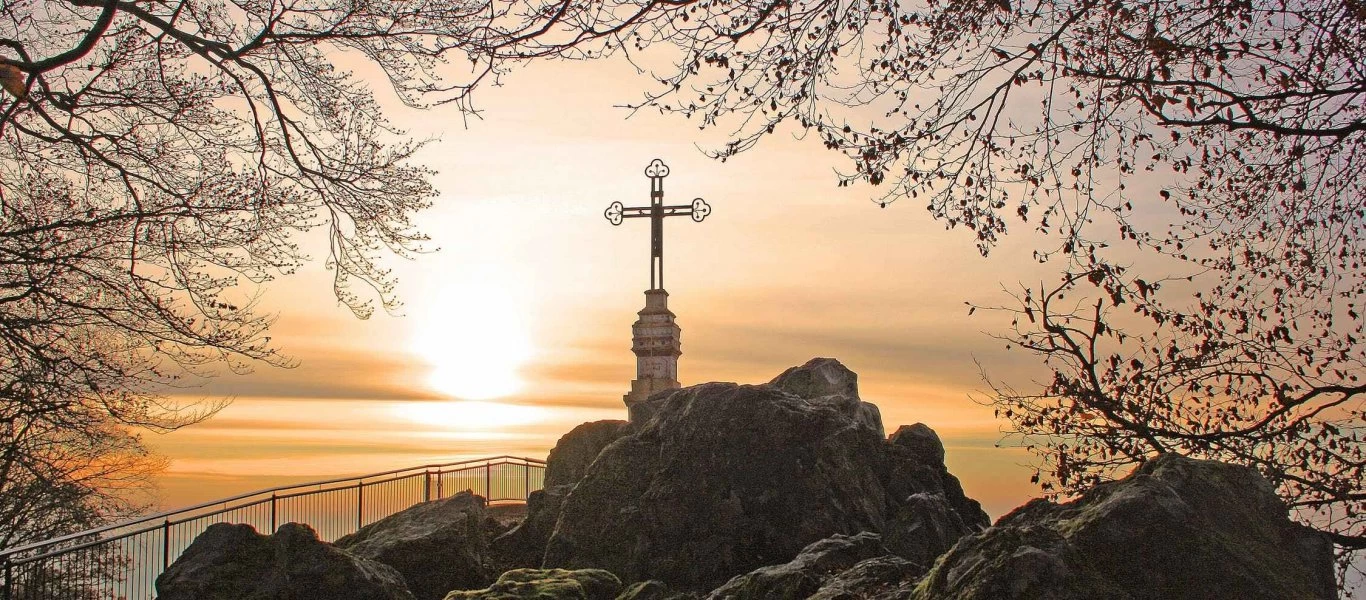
x=657 y=343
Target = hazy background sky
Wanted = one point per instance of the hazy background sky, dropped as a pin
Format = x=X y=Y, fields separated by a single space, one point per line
x=518 y=328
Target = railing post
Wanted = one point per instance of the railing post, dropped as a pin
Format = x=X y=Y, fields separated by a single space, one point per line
x=9 y=579
x=165 y=545
x=526 y=479
x=427 y=486
x=488 y=482
x=360 y=513
x=439 y=493
x=272 y=512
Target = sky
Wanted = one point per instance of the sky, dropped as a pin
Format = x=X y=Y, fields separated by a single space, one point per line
x=519 y=327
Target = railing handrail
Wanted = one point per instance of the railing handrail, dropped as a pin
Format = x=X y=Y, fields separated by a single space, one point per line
x=166 y=515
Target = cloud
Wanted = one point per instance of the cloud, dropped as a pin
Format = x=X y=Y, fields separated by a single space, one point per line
x=587 y=371
x=331 y=374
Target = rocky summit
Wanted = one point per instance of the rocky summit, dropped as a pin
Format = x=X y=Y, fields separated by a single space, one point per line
x=785 y=491
x=718 y=479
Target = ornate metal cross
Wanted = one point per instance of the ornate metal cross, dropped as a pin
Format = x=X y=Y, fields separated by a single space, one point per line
x=698 y=210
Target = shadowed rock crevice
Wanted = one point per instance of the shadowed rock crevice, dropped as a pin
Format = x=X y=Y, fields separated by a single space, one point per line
x=524 y=545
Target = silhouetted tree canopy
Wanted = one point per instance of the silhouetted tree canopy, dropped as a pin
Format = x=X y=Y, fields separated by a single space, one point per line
x=158 y=158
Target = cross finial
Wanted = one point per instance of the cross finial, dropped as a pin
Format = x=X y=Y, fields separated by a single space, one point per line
x=616 y=212
x=657 y=169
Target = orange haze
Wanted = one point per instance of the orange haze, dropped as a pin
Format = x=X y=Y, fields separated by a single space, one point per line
x=519 y=327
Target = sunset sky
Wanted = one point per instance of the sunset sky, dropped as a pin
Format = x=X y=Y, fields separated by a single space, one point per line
x=518 y=328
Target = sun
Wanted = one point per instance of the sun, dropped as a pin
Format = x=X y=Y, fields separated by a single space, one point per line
x=474 y=339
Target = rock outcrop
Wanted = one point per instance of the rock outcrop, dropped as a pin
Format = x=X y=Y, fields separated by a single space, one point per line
x=1175 y=529
x=921 y=441
x=547 y=584
x=576 y=450
x=233 y=562
x=925 y=526
x=827 y=380
x=882 y=578
x=804 y=575
x=786 y=491
x=437 y=546
x=721 y=479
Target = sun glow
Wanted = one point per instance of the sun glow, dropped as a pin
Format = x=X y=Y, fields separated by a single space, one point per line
x=475 y=338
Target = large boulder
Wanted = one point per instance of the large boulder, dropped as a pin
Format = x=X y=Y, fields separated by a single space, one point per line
x=721 y=479
x=1175 y=529
x=818 y=378
x=576 y=450
x=804 y=575
x=547 y=584
x=921 y=441
x=233 y=562
x=438 y=546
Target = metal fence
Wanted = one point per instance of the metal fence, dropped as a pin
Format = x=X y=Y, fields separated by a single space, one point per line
x=122 y=561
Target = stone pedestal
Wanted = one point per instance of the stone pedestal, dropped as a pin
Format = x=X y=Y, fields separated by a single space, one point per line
x=656 y=342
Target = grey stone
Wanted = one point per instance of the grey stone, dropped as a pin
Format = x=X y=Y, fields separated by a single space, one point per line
x=438 y=546
x=653 y=589
x=803 y=575
x=1175 y=529
x=576 y=450
x=524 y=545
x=818 y=377
x=881 y=578
x=827 y=381
x=923 y=527
x=921 y=441
x=233 y=562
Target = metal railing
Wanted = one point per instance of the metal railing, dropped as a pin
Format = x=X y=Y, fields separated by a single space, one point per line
x=121 y=561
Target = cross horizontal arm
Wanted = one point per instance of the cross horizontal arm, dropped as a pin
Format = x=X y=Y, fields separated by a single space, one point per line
x=645 y=211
